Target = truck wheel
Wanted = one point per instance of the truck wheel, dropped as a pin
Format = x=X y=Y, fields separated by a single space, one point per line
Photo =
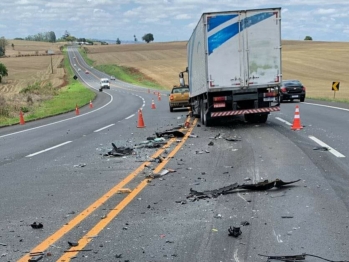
x=302 y=99
x=171 y=109
x=262 y=118
x=205 y=119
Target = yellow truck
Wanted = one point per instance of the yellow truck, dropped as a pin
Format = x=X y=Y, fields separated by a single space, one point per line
x=179 y=97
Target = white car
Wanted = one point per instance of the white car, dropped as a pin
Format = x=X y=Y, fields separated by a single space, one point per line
x=79 y=69
x=112 y=77
x=74 y=64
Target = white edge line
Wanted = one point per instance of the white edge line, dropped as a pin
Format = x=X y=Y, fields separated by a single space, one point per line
x=103 y=128
x=130 y=116
x=48 y=149
x=330 y=149
x=334 y=107
x=282 y=120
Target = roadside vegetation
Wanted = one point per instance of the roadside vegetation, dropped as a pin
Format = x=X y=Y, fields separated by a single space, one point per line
x=41 y=100
x=126 y=74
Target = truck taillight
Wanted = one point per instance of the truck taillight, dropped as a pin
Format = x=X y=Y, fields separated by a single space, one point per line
x=171 y=97
x=270 y=94
x=283 y=89
x=219 y=105
x=219 y=98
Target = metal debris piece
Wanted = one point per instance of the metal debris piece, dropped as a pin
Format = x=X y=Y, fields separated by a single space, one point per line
x=234 y=232
x=80 y=165
x=286 y=216
x=118 y=256
x=265 y=185
x=123 y=191
x=193 y=136
x=286 y=258
x=152 y=142
x=170 y=133
x=321 y=148
x=77 y=250
x=211 y=143
x=2 y=244
x=245 y=223
x=37 y=226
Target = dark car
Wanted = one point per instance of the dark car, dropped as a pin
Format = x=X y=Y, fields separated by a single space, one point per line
x=292 y=89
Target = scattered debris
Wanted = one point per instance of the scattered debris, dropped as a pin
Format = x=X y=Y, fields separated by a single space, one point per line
x=286 y=216
x=211 y=143
x=123 y=191
x=37 y=226
x=265 y=185
x=321 y=148
x=77 y=250
x=234 y=232
x=80 y=165
x=170 y=133
x=152 y=143
x=193 y=136
x=214 y=230
x=118 y=256
x=164 y=172
x=245 y=223
x=298 y=258
x=73 y=244
x=183 y=202
x=2 y=244
x=119 y=151
x=218 y=216
x=247 y=179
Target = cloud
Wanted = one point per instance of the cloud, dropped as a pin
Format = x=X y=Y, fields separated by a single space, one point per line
x=323 y=11
x=182 y=16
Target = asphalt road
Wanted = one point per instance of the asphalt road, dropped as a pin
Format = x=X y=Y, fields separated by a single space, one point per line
x=53 y=172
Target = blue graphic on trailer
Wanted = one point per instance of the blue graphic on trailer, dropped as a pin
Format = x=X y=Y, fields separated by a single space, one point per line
x=222 y=36
x=214 y=21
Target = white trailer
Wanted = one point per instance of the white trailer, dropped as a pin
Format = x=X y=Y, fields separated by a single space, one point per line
x=234 y=65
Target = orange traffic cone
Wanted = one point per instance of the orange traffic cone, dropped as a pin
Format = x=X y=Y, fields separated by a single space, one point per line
x=21 y=118
x=153 y=104
x=77 y=112
x=140 y=119
x=297 y=120
x=91 y=105
x=159 y=97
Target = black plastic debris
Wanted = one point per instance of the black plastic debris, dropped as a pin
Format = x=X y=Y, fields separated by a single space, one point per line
x=298 y=258
x=321 y=148
x=37 y=225
x=118 y=256
x=234 y=232
x=73 y=244
x=265 y=185
x=232 y=139
x=119 y=151
x=211 y=143
x=35 y=258
x=170 y=133
x=152 y=142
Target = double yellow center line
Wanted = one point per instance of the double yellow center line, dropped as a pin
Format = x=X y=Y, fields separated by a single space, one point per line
x=98 y=203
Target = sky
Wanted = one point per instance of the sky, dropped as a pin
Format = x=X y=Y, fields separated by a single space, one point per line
x=167 y=20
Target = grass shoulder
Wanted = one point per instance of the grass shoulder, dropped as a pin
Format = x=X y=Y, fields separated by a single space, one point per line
x=126 y=74
x=42 y=100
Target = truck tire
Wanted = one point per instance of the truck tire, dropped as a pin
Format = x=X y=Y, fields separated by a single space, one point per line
x=205 y=119
x=171 y=109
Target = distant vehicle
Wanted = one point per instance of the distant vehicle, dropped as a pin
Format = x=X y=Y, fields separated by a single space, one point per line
x=74 y=64
x=87 y=72
x=104 y=84
x=79 y=69
x=112 y=77
x=179 y=97
x=292 y=89
x=74 y=57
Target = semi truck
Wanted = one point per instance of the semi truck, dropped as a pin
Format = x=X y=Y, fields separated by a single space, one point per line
x=234 y=65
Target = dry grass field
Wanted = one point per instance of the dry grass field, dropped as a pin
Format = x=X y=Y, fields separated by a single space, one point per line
x=29 y=68
x=316 y=64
